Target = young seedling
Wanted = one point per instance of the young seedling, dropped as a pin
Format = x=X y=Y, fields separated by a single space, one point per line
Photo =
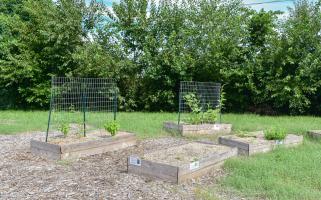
x=64 y=128
x=112 y=127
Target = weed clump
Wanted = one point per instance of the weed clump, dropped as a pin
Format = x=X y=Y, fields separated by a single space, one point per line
x=275 y=134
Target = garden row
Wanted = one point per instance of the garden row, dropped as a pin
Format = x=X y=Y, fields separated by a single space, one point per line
x=75 y=134
x=178 y=163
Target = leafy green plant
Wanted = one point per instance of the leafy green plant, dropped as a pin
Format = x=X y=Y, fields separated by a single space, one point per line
x=192 y=102
x=275 y=134
x=197 y=115
x=222 y=98
x=211 y=115
x=112 y=127
x=64 y=128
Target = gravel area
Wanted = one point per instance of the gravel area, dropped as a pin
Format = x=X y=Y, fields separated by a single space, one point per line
x=24 y=176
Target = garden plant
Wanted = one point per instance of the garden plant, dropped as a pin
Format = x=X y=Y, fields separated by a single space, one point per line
x=112 y=127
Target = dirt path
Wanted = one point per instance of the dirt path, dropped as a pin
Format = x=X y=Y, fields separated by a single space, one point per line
x=24 y=176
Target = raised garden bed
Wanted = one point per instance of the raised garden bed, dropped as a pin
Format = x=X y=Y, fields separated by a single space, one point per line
x=179 y=163
x=315 y=134
x=257 y=143
x=197 y=129
x=60 y=148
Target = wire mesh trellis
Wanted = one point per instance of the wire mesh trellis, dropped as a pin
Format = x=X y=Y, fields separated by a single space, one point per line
x=82 y=104
x=199 y=102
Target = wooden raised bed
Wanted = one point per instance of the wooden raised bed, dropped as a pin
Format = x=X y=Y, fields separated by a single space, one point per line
x=198 y=129
x=179 y=163
x=58 y=149
x=315 y=134
x=257 y=143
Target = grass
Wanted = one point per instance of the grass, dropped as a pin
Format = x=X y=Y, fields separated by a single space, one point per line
x=282 y=174
x=143 y=124
x=293 y=173
x=150 y=124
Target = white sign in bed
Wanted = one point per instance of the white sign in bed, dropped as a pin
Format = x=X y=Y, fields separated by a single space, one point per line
x=216 y=127
x=134 y=160
x=194 y=165
x=278 y=142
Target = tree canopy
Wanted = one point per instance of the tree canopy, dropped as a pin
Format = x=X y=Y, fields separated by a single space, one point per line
x=269 y=63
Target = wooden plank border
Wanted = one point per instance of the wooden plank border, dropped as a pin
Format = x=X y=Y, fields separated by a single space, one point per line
x=178 y=174
x=83 y=149
x=248 y=148
x=199 y=129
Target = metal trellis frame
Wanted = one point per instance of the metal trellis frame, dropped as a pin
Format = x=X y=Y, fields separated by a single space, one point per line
x=207 y=94
x=87 y=103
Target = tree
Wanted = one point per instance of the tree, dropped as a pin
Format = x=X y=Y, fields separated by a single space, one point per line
x=41 y=38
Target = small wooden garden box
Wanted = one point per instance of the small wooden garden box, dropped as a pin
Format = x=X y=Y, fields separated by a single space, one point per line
x=315 y=134
x=257 y=144
x=197 y=129
x=78 y=149
x=179 y=163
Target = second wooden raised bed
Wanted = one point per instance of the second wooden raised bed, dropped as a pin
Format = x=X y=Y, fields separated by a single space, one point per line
x=197 y=129
x=179 y=163
x=257 y=143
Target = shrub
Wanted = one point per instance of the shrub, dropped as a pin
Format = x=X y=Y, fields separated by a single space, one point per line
x=112 y=127
x=275 y=134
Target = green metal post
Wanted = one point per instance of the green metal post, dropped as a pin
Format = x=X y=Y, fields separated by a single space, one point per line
x=47 y=132
x=220 y=105
x=115 y=102
x=84 y=110
x=49 y=118
x=179 y=103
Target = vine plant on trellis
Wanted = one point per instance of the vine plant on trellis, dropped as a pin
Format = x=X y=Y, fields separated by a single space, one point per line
x=83 y=102
x=200 y=102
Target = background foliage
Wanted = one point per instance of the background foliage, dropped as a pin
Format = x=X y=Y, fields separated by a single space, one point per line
x=269 y=62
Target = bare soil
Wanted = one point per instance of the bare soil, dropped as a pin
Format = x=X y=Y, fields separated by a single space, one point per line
x=183 y=154
x=79 y=138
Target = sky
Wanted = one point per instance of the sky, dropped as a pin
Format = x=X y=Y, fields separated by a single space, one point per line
x=282 y=6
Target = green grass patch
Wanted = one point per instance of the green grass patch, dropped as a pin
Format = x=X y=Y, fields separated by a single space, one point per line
x=292 y=173
x=290 y=124
x=12 y=122
x=150 y=124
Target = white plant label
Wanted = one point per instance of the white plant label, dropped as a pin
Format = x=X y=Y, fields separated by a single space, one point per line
x=194 y=165
x=216 y=127
x=134 y=160
x=278 y=142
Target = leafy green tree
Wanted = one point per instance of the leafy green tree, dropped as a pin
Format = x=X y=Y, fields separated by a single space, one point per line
x=40 y=40
x=293 y=67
